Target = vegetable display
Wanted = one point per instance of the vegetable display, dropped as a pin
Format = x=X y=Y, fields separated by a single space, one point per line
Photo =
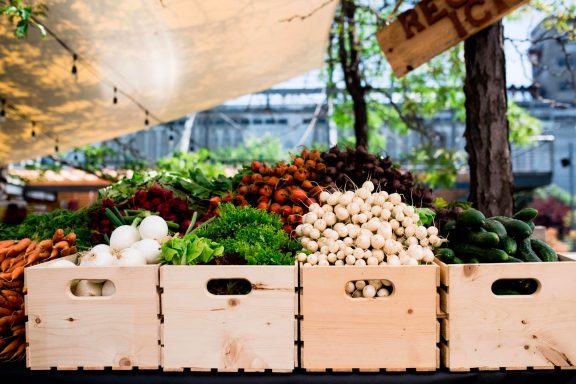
x=14 y=257
x=369 y=288
x=365 y=227
x=473 y=238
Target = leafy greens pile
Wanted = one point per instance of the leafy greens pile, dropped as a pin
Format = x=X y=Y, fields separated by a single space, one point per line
x=250 y=235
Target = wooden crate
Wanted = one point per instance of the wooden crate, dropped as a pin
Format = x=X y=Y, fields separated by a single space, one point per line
x=67 y=332
x=392 y=333
x=253 y=332
x=490 y=332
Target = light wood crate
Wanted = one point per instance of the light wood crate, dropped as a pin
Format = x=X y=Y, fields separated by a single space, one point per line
x=120 y=331
x=253 y=332
x=390 y=333
x=490 y=332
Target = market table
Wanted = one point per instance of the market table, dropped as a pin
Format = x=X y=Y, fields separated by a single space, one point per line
x=19 y=374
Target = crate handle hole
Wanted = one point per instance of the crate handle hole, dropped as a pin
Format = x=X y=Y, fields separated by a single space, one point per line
x=358 y=289
x=92 y=288
x=515 y=287
x=228 y=287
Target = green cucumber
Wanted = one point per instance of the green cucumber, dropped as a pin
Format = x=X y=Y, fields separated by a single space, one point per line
x=526 y=253
x=458 y=260
x=496 y=227
x=508 y=245
x=485 y=255
x=482 y=239
x=473 y=261
x=472 y=218
x=445 y=254
x=515 y=228
x=526 y=214
x=448 y=228
x=543 y=250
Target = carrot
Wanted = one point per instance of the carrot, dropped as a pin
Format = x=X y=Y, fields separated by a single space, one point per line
x=14 y=302
x=70 y=238
x=6 y=243
x=33 y=257
x=19 y=263
x=6 y=320
x=58 y=235
x=12 y=347
x=18 y=330
x=5 y=312
x=5 y=276
x=73 y=250
x=31 y=247
x=45 y=244
x=18 y=248
x=17 y=273
x=44 y=254
x=19 y=352
x=13 y=261
x=12 y=284
x=61 y=245
x=5 y=264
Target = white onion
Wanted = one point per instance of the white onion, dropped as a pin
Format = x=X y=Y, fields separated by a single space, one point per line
x=395 y=198
x=153 y=227
x=88 y=288
x=123 y=237
x=432 y=231
x=150 y=249
x=323 y=196
x=131 y=257
x=101 y=248
x=339 y=263
x=313 y=259
x=59 y=263
x=108 y=289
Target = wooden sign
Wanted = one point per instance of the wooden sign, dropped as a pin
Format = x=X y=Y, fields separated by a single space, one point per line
x=433 y=26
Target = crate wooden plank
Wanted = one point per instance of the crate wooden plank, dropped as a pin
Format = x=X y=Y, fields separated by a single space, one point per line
x=337 y=330
x=489 y=331
x=228 y=332
x=68 y=332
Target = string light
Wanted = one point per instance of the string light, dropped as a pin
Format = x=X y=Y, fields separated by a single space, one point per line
x=3 y=109
x=146 y=121
x=33 y=134
x=74 y=69
x=56 y=148
x=115 y=99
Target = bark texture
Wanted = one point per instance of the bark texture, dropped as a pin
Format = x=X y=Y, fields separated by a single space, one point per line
x=349 y=56
x=491 y=179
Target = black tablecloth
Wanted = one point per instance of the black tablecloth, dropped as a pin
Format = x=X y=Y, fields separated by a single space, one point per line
x=17 y=373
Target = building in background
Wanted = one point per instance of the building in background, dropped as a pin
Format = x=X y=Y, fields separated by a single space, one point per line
x=553 y=58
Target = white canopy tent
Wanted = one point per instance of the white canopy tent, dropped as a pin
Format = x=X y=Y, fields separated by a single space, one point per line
x=167 y=57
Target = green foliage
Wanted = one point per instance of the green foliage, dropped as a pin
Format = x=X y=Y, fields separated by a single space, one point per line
x=522 y=125
x=42 y=226
x=439 y=169
x=426 y=215
x=253 y=234
x=183 y=162
x=264 y=148
x=22 y=16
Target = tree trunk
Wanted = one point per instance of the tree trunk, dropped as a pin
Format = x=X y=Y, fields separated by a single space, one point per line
x=349 y=56
x=491 y=180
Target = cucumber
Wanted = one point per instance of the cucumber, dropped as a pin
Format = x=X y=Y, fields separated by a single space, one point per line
x=543 y=250
x=496 y=227
x=488 y=255
x=446 y=255
x=525 y=252
x=458 y=260
x=482 y=239
x=515 y=228
x=473 y=261
x=513 y=259
x=531 y=225
x=526 y=214
x=448 y=228
x=508 y=245
x=472 y=218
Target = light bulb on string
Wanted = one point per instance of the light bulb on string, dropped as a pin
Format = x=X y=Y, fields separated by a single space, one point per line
x=115 y=99
x=56 y=147
x=171 y=139
x=3 y=109
x=33 y=133
x=74 y=69
x=146 y=121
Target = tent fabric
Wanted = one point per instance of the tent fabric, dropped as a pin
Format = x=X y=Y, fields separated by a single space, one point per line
x=171 y=56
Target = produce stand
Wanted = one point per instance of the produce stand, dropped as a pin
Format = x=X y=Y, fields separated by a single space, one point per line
x=17 y=373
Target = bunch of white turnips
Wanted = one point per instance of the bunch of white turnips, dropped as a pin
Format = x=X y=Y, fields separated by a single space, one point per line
x=129 y=246
x=365 y=227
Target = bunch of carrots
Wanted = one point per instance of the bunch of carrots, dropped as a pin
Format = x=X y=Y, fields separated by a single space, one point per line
x=14 y=257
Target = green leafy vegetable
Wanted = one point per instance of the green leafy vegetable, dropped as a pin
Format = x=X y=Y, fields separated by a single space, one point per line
x=253 y=235
x=426 y=215
x=190 y=250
